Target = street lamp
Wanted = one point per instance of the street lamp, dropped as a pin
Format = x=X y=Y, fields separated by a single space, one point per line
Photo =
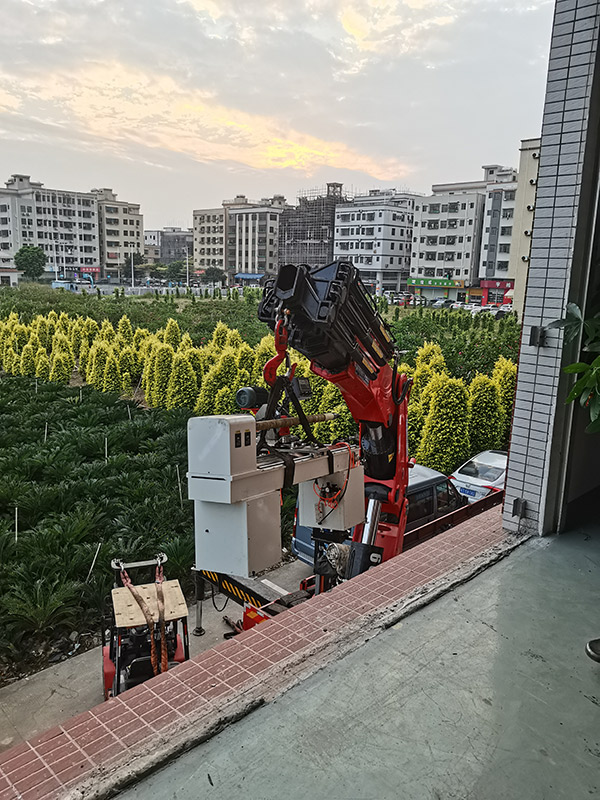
x=187 y=267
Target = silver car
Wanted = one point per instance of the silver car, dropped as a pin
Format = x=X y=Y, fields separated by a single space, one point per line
x=481 y=475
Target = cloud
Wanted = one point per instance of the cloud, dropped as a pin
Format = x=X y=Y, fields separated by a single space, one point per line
x=361 y=90
x=118 y=104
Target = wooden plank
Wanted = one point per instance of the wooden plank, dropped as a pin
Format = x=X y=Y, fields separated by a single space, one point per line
x=128 y=614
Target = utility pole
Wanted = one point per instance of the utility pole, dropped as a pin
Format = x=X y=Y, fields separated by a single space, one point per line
x=132 y=271
x=187 y=267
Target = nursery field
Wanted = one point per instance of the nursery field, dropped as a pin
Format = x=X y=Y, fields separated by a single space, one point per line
x=93 y=414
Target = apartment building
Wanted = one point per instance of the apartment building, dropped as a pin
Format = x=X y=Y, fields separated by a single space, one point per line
x=307 y=230
x=209 y=238
x=151 y=254
x=495 y=279
x=448 y=233
x=63 y=223
x=121 y=227
x=523 y=220
x=252 y=236
x=374 y=231
x=153 y=238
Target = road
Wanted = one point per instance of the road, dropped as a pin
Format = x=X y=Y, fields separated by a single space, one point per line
x=34 y=704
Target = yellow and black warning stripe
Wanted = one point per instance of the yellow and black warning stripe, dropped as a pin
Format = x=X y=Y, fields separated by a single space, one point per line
x=236 y=591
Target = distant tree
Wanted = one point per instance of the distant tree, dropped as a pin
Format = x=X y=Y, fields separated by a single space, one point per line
x=31 y=260
x=214 y=275
x=175 y=271
x=138 y=259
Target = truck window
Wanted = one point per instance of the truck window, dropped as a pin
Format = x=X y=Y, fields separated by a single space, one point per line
x=447 y=498
x=420 y=504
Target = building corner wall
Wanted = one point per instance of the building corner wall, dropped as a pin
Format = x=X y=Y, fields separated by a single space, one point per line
x=560 y=246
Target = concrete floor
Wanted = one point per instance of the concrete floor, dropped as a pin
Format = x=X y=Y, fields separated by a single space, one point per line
x=32 y=705
x=486 y=694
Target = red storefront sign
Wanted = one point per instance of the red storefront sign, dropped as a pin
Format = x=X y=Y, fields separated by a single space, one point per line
x=493 y=292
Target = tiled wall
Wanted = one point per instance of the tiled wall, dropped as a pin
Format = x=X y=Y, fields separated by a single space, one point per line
x=534 y=445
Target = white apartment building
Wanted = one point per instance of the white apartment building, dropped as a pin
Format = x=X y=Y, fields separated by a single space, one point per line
x=448 y=234
x=63 y=223
x=523 y=220
x=121 y=228
x=498 y=225
x=153 y=238
x=374 y=231
x=209 y=238
x=252 y=231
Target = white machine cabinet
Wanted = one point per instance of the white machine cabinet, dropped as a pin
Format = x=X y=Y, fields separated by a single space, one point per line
x=237 y=513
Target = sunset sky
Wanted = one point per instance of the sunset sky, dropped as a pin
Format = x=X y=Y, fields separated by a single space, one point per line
x=179 y=104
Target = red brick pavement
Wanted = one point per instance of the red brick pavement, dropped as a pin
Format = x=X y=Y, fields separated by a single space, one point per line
x=111 y=735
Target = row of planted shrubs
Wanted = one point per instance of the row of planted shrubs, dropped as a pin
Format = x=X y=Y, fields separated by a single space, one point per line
x=86 y=477
x=449 y=418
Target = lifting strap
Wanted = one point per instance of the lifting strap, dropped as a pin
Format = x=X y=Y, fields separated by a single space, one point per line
x=147 y=615
x=164 y=656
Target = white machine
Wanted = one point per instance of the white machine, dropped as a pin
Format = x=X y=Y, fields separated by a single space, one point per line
x=237 y=496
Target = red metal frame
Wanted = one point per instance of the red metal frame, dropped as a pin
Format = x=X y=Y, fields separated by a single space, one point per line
x=373 y=402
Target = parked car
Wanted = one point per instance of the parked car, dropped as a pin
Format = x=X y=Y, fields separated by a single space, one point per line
x=458 y=305
x=430 y=495
x=442 y=302
x=481 y=475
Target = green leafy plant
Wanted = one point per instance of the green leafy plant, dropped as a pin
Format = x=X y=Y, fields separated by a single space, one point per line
x=587 y=387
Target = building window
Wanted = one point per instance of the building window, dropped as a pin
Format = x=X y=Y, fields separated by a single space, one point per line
x=504 y=248
x=502 y=266
x=430 y=256
x=506 y=231
x=509 y=194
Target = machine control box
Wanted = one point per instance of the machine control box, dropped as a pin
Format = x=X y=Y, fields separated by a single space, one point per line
x=341 y=514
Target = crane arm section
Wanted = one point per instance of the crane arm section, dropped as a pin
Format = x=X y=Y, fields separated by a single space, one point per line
x=331 y=319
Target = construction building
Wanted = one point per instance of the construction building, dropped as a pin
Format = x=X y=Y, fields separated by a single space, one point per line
x=307 y=230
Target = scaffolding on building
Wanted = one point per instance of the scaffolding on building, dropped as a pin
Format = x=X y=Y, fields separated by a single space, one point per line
x=306 y=230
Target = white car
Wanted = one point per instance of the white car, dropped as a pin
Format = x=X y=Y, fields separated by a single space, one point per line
x=481 y=475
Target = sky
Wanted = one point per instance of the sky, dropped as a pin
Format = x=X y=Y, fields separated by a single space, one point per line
x=179 y=104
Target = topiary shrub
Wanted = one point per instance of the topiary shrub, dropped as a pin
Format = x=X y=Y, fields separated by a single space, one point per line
x=225 y=401
x=246 y=357
x=182 y=390
x=505 y=378
x=444 y=442
x=42 y=365
x=485 y=415
x=59 y=371
x=161 y=373
x=107 y=332
x=415 y=419
x=98 y=357
x=27 y=366
x=234 y=339
x=172 y=335
x=219 y=337
x=124 y=330
x=84 y=354
x=112 y=378
x=431 y=354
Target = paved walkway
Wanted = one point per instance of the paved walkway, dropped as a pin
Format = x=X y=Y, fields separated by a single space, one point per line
x=484 y=695
x=49 y=697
